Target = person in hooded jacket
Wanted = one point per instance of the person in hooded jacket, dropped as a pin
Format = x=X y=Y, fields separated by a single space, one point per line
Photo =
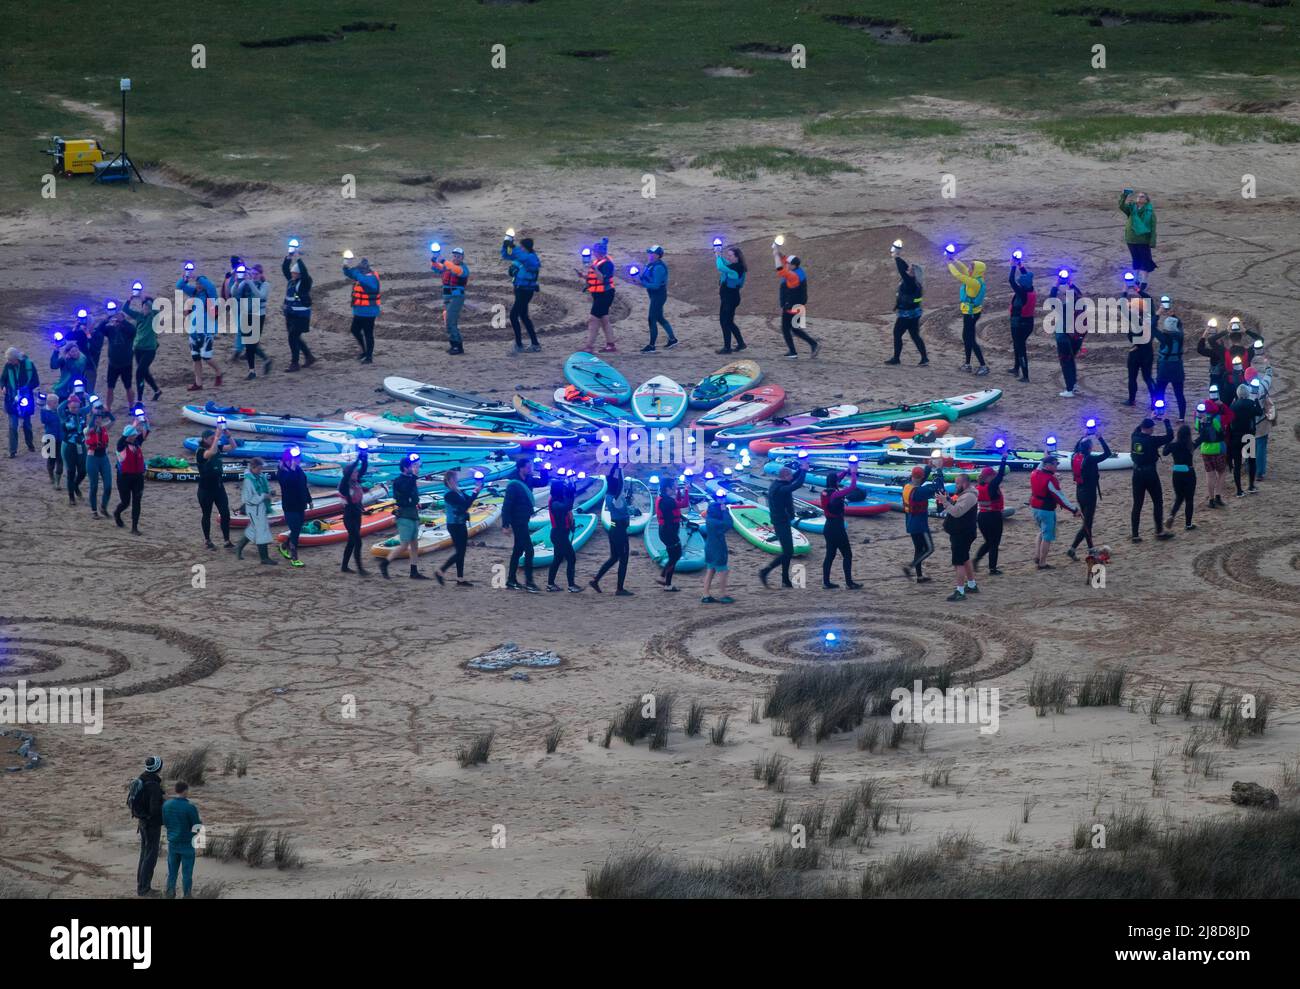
x=971 y=296
x=907 y=305
x=524 y=269
x=148 y=813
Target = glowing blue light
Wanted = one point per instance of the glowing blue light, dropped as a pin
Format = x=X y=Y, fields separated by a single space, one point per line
x=853 y=458
x=110 y=305
x=363 y=446
x=708 y=475
x=1051 y=441
x=727 y=472
x=478 y=475
x=614 y=450
x=137 y=287
x=1129 y=276
x=999 y=443
x=435 y=247
x=1018 y=255
x=1063 y=274
x=950 y=248
x=717 y=241
x=558 y=444
x=293 y=450
x=1090 y=423
x=82 y=314
x=58 y=336
x=189 y=265
x=654 y=478
x=293 y=243
x=1200 y=407
x=1160 y=403
x=633 y=270
x=831 y=638
x=731 y=447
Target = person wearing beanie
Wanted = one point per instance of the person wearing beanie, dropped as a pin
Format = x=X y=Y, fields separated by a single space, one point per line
x=1023 y=302
x=524 y=268
x=988 y=493
x=1145 y=450
x=971 y=297
x=455 y=282
x=367 y=304
x=297 y=310
x=654 y=279
x=146 y=808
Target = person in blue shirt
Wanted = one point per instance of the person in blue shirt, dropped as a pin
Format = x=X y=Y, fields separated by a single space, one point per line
x=618 y=503
x=731 y=266
x=717 y=523
x=524 y=269
x=654 y=279
x=201 y=324
x=181 y=819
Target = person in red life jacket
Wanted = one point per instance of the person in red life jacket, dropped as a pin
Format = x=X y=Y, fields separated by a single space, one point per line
x=1045 y=495
x=563 y=492
x=130 y=471
x=1145 y=451
x=926 y=483
x=1085 y=465
x=598 y=282
x=959 y=521
x=367 y=304
x=835 y=532
x=99 y=467
x=988 y=494
x=1212 y=421
x=1071 y=329
x=794 y=301
x=1023 y=302
x=668 y=510
x=455 y=281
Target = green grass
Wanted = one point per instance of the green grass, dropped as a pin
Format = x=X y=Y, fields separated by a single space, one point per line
x=1089 y=135
x=633 y=160
x=424 y=97
x=746 y=162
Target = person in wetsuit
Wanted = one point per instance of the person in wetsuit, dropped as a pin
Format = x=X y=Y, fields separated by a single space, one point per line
x=780 y=504
x=836 y=534
x=1146 y=479
x=988 y=494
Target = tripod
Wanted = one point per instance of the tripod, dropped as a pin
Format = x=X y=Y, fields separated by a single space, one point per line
x=121 y=157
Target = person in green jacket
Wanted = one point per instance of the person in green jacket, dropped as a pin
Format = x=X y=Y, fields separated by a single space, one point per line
x=181 y=818
x=145 y=347
x=1139 y=232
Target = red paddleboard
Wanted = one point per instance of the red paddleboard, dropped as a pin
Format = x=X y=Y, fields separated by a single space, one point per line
x=903 y=430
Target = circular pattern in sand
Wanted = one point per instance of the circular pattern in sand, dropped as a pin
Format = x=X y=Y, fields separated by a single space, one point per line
x=121 y=658
x=737 y=645
x=1264 y=567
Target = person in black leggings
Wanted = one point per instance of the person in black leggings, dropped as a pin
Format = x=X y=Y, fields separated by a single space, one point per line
x=780 y=506
x=213 y=445
x=563 y=492
x=731 y=279
x=672 y=499
x=297 y=310
x=1146 y=479
x=458 y=506
x=524 y=268
x=353 y=494
x=837 y=536
x=617 y=503
x=1246 y=411
x=911 y=287
x=989 y=520
x=1182 y=450
x=1087 y=487
x=1023 y=302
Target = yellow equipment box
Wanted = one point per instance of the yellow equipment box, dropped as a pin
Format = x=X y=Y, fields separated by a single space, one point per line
x=76 y=157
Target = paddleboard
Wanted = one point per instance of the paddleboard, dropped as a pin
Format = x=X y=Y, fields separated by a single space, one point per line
x=185 y=471
x=692 y=531
x=808 y=516
x=783 y=425
x=595 y=410
x=749 y=406
x=561 y=418
x=251 y=421
x=661 y=401
x=597 y=377
x=419 y=393
x=640 y=507
x=754 y=523
x=434 y=534
x=417 y=443
x=726 y=382
x=872 y=434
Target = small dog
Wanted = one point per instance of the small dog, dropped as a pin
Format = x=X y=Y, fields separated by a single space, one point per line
x=1098 y=555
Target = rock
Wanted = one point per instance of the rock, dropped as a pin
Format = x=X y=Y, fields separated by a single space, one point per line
x=1254 y=795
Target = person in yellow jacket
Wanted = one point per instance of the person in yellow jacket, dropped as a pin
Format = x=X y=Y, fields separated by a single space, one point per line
x=973 y=290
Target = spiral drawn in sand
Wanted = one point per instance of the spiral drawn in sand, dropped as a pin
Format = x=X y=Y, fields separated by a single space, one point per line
x=736 y=645
x=121 y=658
x=1264 y=566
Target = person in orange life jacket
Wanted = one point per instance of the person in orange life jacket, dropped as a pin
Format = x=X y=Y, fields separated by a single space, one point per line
x=836 y=534
x=1183 y=451
x=1145 y=450
x=19 y=381
x=524 y=268
x=201 y=323
x=1071 y=329
x=1246 y=411
x=353 y=491
x=1045 y=495
x=516 y=511
x=730 y=263
x=99 y=466
x=1023 y=302
x=959 y=521
x=911 y=288
x=654 y=279
x=130 y=472
x=988 y=494
x=1141 y=353
x=598 y=282
x=971 y=296
x=563 y=492
x=1168 y=332
x=367 y=304
x=455 y=281
x=669 y=504
x=1212 y=423
x=794 y=301
x=1085 y=466
x=780 y=506
x=297 y=310
x=926 y=484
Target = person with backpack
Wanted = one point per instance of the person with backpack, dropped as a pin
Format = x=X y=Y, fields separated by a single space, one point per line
x=145 y=801
x=1246 y=412
x=1072 y=325
x=988 y=494
x=959 y=521
x=780 y=506
x=618 y=505
x=353 y=494
x=1045 y=496
x=130 y=471
x=406 y=496
x=731 y=267
x=793 y=296
x=297 y=310
x=835 y=532
x=19 y=381
x=1182 y=450
x=717 y=523
x=524 y=269
x=1145 y=451
x=971 y=296
x=516 y=511
x=1168 y=333
x=1085 y=465
x=182 y=820
x=654 y=279
x=1024 y=300
x=927 y=483
x=907 y=305
x=1211 y=441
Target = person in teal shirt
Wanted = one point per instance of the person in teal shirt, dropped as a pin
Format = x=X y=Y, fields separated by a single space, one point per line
x=180 y=818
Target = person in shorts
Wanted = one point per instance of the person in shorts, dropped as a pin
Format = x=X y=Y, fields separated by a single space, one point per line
x=200 y=320
x=1045 y=495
